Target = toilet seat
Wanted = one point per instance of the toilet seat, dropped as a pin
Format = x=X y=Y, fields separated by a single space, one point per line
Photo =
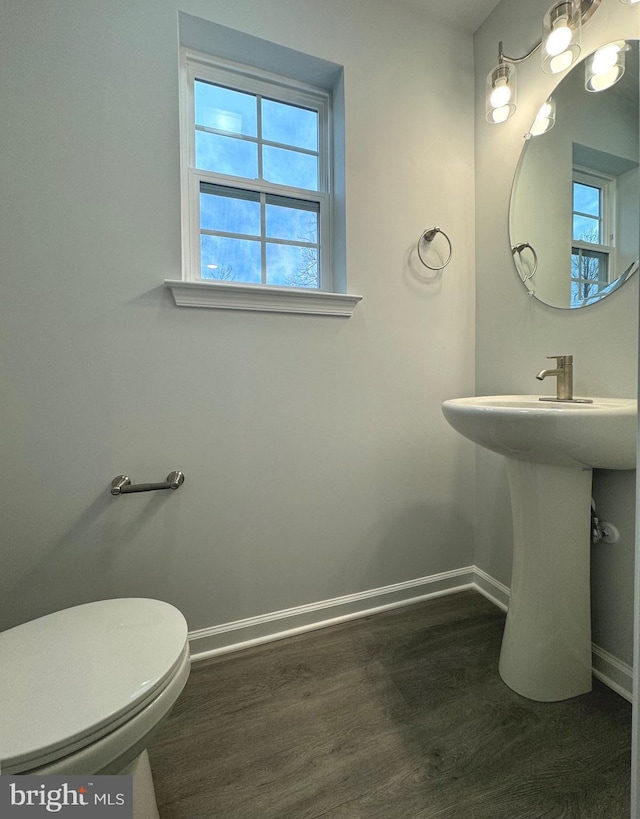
x=75 y=678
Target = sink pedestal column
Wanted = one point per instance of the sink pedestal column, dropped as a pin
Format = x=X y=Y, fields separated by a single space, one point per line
x=546 y=648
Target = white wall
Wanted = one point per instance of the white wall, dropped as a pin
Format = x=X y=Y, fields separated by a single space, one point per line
x=515 y=332
x=316 y=457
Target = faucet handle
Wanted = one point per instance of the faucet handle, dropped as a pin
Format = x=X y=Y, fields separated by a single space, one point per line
x=564 y=359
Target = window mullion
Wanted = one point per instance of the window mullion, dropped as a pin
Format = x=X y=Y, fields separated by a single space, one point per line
x=293 y=148
x=204 y=129
x=263 y=198
x=259 y=129
x=228 y=234
x=263 y=236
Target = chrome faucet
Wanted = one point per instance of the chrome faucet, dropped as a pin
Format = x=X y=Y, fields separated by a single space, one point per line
x=564 y=372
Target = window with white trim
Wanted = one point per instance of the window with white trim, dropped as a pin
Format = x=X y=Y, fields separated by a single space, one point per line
x=592 y=239
x=256 y=177
x=262 y=176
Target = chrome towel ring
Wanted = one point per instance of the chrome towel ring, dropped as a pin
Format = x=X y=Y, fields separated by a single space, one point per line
x=428 y=236
x=518 y=249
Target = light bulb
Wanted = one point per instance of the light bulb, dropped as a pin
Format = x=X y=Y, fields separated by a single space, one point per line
x=540 y=126
x=605 y=58
x=558 y=39
x=561 y=29
x=501 y=93
x=601 y=81
x=545 y=111
x=561 y=62
x=545 y=119
x=605 y=66
x=500 y=114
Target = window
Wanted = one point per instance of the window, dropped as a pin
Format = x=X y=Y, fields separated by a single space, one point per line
x=256 y=187
x=592 y=234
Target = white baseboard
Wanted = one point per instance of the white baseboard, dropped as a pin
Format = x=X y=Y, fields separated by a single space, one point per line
x=222 y=639
x=492 y=589
x=612 y=672
x=234 y=636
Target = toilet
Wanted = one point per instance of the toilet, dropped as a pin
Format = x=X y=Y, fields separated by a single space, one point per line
x=83 y=689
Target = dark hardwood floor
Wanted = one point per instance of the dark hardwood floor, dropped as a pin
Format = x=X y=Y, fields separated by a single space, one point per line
x=401 y=715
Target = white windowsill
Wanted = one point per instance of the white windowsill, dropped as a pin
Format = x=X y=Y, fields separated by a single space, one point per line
x=231 y=296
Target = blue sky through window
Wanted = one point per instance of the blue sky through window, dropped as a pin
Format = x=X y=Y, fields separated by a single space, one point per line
x=291 y=265
x=236 y=112
x=227 y=155
x=587 y=213
x=228 y=259
x=291 y=223
x=226 y=213
x=254 y=235
x=586 y=199
x=236 y=224
x=289 y=125
x=290 y=168
x=225 y=109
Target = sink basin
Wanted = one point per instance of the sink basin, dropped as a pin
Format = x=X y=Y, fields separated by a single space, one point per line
x=550 y=449
x=600 y=435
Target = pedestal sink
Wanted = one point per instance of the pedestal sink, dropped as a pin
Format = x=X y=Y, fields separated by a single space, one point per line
x=551 y=449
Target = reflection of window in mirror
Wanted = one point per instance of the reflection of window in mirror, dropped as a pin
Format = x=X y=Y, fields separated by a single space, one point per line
x=592 y=245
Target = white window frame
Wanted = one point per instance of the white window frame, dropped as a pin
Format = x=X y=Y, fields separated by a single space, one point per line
x=192 y=290
x=607 y=186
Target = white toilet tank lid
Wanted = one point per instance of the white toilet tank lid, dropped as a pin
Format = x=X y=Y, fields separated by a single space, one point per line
x=66 y=676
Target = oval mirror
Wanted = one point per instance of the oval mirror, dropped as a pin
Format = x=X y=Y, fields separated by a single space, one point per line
x=575 y=201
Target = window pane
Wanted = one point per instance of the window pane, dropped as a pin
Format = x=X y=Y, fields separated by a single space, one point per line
x=590 y=265
x=292 y=266
x=586 y=199
x=224 y=109
x=290 y=125
x=594 y=266
x=232 y=212
x=586 y=229
x=292 y=222
x=229 y=259
x=581 y=291
x=228 y=155
x=290 y=168
x=575 y=265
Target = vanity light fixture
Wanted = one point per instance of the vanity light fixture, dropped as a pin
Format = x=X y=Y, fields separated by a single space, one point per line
x=605 y=66
x=561 y=29
x=545 y=118
x=501 y=92
x=560 y=47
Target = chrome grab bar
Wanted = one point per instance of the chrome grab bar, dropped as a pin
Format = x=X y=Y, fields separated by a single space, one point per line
x=121 y=484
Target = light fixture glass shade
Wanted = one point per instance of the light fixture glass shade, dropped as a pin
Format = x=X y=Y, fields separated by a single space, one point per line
x=545 y=118
x=501 y=93
x=605 y=66
x=561 y=29
x=630 y=2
